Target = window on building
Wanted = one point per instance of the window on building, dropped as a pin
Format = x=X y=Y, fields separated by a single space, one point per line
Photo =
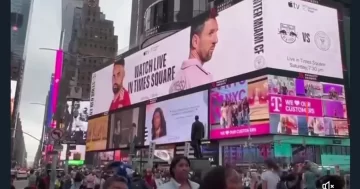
x=95 y=46
x=105 y=37
x=93 y=19
x=88 y=19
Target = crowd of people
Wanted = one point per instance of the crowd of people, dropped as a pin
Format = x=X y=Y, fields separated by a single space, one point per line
x=180 y=176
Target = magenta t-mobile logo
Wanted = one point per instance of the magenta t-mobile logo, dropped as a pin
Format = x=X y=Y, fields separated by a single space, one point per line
x=275 y=102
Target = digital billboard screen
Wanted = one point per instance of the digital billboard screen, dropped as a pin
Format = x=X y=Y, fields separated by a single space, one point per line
x=12 y=95
x=97 y=133
x=211 y=49
x=126 y=127
x=303 y=107
x=76 y=124
x=170 y=121
x=239 y=109
x=306 y=40
x=201 y=54
x=106 y=156
x=76 y=152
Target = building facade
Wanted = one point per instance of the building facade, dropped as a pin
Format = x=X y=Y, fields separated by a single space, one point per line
x=92 y=39
x=69 y=8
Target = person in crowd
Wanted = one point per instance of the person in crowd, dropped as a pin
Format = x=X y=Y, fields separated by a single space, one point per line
x=197 y=134
x=137 y=182
x=291 y=179
x=116 y=182
x=149 y=179
x=179 y=171
x=90 y=181
x=222 y=178
x=270 y=178
x=247 y=180
x=66 y=182
x=309 y=177
x=158 y=128
x=44 y=182
x=32 y=178
x=158 y=179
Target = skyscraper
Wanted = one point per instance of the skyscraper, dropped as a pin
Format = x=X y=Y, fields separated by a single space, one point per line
x=69 y=8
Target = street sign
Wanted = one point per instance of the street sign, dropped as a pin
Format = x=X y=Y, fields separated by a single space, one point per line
x=57 y=134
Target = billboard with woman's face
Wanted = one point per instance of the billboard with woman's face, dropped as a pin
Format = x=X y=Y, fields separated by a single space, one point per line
x=170 y=121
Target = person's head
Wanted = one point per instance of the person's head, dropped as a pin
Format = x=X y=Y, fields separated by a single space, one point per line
x=222 y=178
x=32 y=171
x=118 y=75
x=148 y=172
x=271 y=165
x=116 y=182
x=179 y=168
x=196 y=118
x=158 y=122
x=203 y=38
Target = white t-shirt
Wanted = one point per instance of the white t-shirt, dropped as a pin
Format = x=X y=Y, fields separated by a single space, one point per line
x=271 y=179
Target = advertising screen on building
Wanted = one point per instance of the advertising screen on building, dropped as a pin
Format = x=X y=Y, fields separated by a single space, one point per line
x=126 y=127
x=302 y=107
x=121 y=155
x=212 y=49
x=239 y=109
x=306 y=40
x=205 y=52
x=170 y=121
x=12 y=95
x=77 y=152
x=106 y=156
x=97 y=133
x=77 y=122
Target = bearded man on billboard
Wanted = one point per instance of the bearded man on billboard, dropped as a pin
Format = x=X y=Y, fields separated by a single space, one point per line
x=203 y=39
x=121 y=95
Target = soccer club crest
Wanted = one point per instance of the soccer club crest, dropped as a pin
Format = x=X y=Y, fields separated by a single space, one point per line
x=322 y=41
x=287 y=33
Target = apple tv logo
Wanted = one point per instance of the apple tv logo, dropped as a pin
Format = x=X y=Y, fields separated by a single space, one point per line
x=293 y=5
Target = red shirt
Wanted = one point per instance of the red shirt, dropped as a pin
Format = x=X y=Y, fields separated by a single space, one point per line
x=122 y=100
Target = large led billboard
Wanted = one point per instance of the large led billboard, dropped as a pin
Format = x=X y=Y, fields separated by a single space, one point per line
x=170 y=121
x=76 y=123
x=239 y=109
x=12 y=95
x=306 y=40
x=126 y=127
x=97 y=132
x=76 y=152
x=303 y=107
x=213 y=48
